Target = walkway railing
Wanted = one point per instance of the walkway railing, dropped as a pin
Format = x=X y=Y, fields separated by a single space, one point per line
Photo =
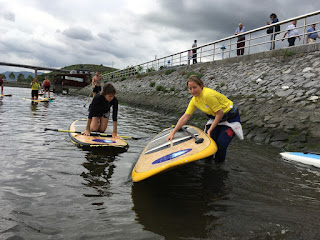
x=256 y=40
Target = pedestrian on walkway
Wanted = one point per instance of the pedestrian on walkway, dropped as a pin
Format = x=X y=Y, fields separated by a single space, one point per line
x=292 y=33
x=194 y=51
x=241 y=39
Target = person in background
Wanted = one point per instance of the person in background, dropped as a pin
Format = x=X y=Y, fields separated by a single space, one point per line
x=313 y=35
x=273 y=30
x=35 y=87
x=46 y=86
x=241 y=39
x=99 y=111
x=292 y=33
x=194 y=52
x=1 y=84
x=224 y=118
x=96 y=83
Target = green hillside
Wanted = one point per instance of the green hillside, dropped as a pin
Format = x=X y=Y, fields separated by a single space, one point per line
x=90 y=67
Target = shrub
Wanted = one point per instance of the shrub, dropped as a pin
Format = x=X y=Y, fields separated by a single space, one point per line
x=161 y=88
x=169 y=71
x=152 y=84
x=200 y=75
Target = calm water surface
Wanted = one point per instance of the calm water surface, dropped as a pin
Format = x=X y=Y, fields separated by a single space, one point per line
x=50 y=189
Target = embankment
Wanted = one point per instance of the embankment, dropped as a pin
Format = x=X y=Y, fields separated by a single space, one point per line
x=277 y=93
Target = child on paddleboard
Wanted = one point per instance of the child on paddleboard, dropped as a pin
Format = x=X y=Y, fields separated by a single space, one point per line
x=224 y=118
x=35 y=87
x=99 y=111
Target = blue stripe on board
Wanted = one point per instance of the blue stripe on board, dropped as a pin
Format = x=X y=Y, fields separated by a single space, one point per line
x=172 y=156
x=103 y=141
x=309 y=155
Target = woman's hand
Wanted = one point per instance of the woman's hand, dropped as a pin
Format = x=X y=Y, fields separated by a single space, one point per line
x=170 y=137
x=86 y=132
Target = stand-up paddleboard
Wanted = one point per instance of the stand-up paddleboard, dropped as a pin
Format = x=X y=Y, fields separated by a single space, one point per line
x=305 y=158
x=93 y=141
x=37 y=100
x=6 y=95
x=159 y=155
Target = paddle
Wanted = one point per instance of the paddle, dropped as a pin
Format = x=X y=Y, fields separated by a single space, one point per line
x=197 y=140
x=92 y=133
x=87 y=100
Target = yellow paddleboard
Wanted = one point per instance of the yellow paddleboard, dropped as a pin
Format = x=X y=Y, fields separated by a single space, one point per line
x=93 y=141
x=160 y=155
x=6 y=95
x=37 y=100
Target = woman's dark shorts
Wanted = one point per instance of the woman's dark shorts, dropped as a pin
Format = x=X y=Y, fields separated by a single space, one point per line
x=97 y=89
x=34 y=93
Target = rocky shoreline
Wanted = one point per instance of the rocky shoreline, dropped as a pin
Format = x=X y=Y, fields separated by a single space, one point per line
x=277 y=93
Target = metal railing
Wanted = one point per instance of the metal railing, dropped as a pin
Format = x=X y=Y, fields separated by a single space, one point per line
x=220 y=49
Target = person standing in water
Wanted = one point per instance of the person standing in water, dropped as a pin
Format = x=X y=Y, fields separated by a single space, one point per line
x=46 y=86
x=1 y=84
x=96 y=83
x=99 y=111
x=35 y=87
x=224 y=117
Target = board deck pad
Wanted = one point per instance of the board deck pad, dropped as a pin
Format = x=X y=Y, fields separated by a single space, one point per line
x=160 y=155
x=93 y=141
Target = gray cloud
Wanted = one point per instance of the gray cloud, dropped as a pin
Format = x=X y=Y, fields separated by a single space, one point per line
x=9 y=16
x=111 y=32
x=79 y=33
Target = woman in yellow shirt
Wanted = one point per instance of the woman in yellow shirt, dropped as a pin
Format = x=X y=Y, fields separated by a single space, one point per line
x=220 y=110
x=35 y=87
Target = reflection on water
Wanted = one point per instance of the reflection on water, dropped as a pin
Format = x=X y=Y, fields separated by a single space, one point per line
x=182 y=203
x=100 y=169
x=51 y=189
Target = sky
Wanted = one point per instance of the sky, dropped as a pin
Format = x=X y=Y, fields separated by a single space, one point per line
x=124 y=32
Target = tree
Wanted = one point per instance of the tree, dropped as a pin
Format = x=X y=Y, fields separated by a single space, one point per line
x=29 y=78
x=3 y=76
x=21 y=78
x=12 y=76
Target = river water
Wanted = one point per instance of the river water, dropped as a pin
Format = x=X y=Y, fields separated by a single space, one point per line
x=50 y=189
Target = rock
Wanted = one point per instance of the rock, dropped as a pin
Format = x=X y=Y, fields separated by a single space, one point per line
x=309 y=75
x=284 y=93
x=313 y=98
x=278 y=144
x=307 y=69
x=310 y=84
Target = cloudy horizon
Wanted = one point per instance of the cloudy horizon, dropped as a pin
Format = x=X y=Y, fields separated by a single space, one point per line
x=123 y=33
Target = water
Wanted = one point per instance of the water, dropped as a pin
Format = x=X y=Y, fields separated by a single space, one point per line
x=50 y=189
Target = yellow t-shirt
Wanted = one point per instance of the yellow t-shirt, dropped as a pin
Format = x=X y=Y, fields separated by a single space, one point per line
x=209 y=101
x=35 y=86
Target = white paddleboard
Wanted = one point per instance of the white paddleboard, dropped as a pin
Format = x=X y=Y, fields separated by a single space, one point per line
x=305 y=158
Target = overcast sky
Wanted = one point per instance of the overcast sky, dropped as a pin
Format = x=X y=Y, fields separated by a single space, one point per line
x=58 y=33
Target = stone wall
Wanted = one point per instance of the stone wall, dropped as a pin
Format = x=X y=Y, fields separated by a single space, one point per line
x=277 y=93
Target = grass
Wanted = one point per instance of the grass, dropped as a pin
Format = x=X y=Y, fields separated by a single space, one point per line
x=161 y=88
x=200 y=75
x=169 y=71
x=152 y=84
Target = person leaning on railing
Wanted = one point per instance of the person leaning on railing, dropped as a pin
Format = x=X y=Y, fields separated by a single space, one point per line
x=313 y=35
x=274 y=30
x=292 y=32
x=241 y=39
